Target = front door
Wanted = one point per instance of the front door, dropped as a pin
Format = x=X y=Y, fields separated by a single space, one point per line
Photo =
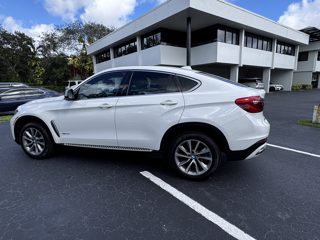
x=89 y=120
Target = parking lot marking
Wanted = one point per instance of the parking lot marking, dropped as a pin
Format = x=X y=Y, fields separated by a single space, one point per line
x=226 y=226
x=293 y=150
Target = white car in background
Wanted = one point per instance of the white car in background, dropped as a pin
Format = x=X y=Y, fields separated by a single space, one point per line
x=190 y=117
x=275 y=87
x=256 y=83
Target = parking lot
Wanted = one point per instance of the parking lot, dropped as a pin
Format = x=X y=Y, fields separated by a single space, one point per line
x=97 y=194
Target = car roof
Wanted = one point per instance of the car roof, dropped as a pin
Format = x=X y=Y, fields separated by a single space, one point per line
x=176 y=70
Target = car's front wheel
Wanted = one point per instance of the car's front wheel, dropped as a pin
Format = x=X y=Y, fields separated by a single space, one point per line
x=194 y=155
x=36 y=141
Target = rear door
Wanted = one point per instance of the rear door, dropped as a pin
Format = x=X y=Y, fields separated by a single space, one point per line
x=151 y=105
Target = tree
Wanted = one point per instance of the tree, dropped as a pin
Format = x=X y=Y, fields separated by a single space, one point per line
x=75 y=38
x=57 y=71
x=16 y=50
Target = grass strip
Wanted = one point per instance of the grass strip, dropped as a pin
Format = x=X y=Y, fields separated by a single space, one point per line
x=308 y=123
x=5 y=118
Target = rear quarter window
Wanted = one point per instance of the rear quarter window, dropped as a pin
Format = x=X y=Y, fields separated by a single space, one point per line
x=187 y=84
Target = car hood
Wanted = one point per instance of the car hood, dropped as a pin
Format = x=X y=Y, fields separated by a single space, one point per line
x=49 y=99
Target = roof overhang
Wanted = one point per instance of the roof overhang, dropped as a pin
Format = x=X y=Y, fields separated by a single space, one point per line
x=173 y=15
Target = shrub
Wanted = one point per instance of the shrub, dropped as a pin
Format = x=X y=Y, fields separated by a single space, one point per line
x=296 y=87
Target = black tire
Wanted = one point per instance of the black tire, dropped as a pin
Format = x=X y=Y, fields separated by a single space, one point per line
x=36 y=141
x=272 y=89
x=198 y=162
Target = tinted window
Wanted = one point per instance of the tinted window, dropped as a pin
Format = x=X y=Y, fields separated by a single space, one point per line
x=148 y=83
x=31 y=92
x=105 y=85
x=11 y=94
x=186 y=83
x=303 y=56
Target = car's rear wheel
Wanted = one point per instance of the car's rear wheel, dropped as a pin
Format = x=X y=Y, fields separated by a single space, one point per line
x=36 y=141
x=194 y=155
x=272 y=89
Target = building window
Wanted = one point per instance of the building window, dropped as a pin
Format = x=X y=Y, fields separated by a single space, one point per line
x=303 y=56
x=257 y=42
x=215 y=33
x=162 y=36
x=285 y=48
x=125 y=48
x=103 y=56
x=318 y=56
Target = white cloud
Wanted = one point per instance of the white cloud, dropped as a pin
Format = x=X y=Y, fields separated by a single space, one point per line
x=11 y=25
x=107 y=12
x=302 y=14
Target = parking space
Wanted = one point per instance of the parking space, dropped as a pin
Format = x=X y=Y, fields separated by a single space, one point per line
x=96 y=194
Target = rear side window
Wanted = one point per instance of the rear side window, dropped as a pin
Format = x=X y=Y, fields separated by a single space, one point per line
x=151 y=83
x=186 y=83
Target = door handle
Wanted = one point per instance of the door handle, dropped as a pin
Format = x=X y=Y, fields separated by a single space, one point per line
x=105 y=105
x=169 y=102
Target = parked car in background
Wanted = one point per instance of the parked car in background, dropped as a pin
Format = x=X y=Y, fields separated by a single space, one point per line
x=72 y=83
x=5 y=86
x=275 y=87
x=11 y=99
x=187 y=116
x=252 y=82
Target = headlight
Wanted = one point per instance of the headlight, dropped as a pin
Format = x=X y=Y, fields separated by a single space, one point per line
x=15 y=112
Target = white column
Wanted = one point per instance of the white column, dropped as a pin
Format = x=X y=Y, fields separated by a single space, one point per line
x=266 y=78
x=234 y=73
x=296 y=58
x=139 y=49
x=319 y=80
x=112 y=57
x=94 y=60
x=241 y=45
x=274 y=48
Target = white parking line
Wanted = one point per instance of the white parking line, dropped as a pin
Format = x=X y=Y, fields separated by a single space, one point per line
x=226 y=226
x=293 y=150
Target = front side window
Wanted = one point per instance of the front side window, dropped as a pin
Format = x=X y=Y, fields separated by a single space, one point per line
x=105 y=85
x=151 y=83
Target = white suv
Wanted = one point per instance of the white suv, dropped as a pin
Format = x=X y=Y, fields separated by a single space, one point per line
x=190 y=117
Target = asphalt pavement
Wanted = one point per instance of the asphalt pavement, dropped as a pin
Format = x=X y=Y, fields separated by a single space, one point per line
x=96 y=194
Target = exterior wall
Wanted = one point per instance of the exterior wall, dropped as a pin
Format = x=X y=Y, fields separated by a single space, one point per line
x=102 y=66
x=219 y=71
x=163 y=55
x=317 y=68
x=255 y=57
x=312 y=46
x=284 y=61
x=127 y=60
x=204 y=54
x=175 y=56
x=283 y=77
x=224 y=10
x=266 y=79
x=215 y=52
x=227 y=53
x=302 y=78
x=309 y=65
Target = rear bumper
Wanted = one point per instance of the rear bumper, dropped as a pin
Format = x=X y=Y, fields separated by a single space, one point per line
x=248 y=153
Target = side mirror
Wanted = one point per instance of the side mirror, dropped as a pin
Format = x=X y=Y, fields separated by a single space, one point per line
x=69 y=94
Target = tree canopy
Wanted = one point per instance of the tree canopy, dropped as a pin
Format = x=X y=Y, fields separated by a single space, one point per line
x=49 y=60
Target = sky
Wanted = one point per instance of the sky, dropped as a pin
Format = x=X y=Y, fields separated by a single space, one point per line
x=36 y=16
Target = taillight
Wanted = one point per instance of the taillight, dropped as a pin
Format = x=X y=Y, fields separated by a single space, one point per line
x=251 y=104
